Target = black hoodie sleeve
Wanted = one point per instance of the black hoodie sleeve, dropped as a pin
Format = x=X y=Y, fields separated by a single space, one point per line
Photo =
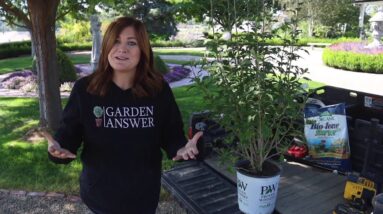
x=172 y=130
x=69 y=134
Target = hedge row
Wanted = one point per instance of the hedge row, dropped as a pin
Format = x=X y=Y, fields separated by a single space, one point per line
x=177 y=43
x=14 y=49
x=75 y=46
x=370 y=63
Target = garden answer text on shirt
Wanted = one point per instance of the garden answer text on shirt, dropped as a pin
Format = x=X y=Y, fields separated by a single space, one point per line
x=124 y=117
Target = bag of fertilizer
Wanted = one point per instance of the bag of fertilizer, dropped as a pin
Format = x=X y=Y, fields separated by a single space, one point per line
x=327 y=135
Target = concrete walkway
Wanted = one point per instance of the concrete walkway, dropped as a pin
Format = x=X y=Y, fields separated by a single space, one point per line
x=358 y=81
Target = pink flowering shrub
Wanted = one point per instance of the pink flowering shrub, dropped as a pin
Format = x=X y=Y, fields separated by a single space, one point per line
x=354 y=56
x=356 y=47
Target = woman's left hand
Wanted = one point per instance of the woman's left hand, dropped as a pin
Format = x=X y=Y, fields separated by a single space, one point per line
x=189 y=151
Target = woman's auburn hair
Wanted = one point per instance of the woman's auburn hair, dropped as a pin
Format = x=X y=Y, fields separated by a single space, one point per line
x=147 y=81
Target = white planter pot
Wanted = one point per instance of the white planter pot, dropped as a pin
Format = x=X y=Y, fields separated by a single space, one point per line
x=258 y=194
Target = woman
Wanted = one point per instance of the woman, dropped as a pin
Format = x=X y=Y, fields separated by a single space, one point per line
x=122 y=114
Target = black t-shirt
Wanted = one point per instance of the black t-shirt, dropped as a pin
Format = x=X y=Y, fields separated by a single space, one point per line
x=122 y=137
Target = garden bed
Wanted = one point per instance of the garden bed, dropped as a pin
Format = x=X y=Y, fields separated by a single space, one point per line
x=354 y=56
x=26 y=82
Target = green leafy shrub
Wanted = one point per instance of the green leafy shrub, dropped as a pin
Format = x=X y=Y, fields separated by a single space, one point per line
x=370 y=63
x=160 y=65
x=66 y=67
x=164 y=43
x=14 y=49
x=73 y=31
x=329 y=40
x=303 y=41
x=67 y=71
x=254 y=97
x=195 y=43
x=78 y=46
x=176 y=43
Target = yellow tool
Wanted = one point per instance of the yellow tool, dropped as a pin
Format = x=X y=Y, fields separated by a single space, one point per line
x=359 y=187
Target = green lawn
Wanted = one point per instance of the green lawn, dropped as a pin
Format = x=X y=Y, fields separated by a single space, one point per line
x=25 y=166
x=13 y=64
x=80 y=58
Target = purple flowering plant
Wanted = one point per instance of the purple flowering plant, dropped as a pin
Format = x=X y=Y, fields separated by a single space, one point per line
x=18 y=79
x=24 y=74
x=356 y=47
x=176 y=73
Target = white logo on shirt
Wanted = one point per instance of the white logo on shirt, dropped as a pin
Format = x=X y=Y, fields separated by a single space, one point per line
x=125 y=117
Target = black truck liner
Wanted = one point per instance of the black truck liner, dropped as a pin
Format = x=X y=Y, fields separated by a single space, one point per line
x=203 y=187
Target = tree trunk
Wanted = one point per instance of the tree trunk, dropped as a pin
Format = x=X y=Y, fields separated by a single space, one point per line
x=42 y=14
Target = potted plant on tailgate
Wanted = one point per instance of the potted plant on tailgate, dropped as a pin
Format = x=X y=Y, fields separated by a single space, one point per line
x=254 y=88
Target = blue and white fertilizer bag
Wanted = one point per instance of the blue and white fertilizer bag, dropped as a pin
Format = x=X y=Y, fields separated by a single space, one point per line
x=327 y=135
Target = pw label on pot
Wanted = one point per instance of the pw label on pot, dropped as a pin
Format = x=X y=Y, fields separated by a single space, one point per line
x=327 y=136
x=257 y=195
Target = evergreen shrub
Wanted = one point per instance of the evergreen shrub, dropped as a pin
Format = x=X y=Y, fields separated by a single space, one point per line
x=67 y=71
x=160 y=65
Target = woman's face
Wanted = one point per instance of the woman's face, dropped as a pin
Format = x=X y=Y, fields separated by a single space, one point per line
x=125 y=54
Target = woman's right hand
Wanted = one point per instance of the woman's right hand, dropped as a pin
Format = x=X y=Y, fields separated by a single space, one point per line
x=55 y=149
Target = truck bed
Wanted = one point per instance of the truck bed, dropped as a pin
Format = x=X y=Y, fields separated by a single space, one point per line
x=302 y=188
